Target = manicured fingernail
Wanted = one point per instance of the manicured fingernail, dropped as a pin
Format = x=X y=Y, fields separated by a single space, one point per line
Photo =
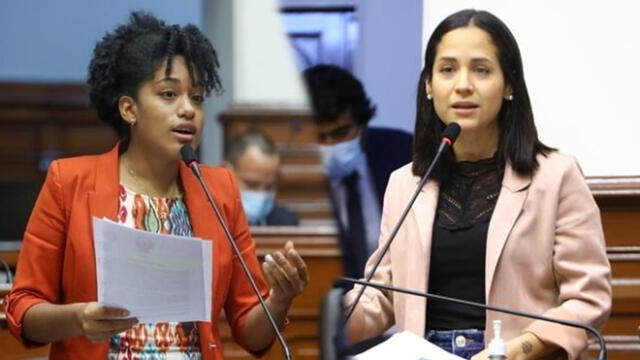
x=268 y=257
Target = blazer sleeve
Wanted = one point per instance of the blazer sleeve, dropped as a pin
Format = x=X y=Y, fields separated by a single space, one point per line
x=374 y=312
x=241 y=298
x=39 y=272
x=581 y=267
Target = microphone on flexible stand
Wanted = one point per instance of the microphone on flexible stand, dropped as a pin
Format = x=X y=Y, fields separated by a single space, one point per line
x=449 y=136
x=189 y=157
x=602 y=354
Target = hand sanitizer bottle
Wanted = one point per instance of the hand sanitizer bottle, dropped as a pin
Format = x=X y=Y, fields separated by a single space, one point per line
x=497 y=347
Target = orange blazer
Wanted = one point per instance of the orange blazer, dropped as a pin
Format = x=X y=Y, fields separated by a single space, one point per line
x=57 y=260
x=545 y=254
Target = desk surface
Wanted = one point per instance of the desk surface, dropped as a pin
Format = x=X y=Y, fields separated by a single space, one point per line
x=10 y=245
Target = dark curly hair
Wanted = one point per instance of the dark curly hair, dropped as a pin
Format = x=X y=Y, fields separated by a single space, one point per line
x=131 y=54
x=333 y=91
x=518 y=141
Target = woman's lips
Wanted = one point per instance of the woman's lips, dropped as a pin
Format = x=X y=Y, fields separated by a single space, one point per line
x=185 y=132
x=184 y=137
x=464 y=110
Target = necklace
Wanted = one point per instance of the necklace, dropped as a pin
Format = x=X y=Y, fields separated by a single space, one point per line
x=175 y=193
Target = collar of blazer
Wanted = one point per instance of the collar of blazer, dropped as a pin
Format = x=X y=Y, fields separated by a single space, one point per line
x=104 y=199
x=508 y=208
x=514 y=181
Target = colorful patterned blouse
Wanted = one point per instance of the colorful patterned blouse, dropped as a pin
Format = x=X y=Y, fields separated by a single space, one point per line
x=157 y=341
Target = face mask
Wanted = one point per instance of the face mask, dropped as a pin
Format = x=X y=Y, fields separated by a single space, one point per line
x=341 y=159
x=257 y=204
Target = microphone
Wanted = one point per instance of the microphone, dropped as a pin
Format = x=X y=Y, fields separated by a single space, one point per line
x=449 y=136
x=189 y=157
x=602 y=354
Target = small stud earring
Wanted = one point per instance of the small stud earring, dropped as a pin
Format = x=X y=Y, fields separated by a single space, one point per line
x=510 y=98
x=429 y=96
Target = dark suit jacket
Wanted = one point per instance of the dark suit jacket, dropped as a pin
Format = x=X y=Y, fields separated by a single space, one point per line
x=281 y=216
x=386 y=150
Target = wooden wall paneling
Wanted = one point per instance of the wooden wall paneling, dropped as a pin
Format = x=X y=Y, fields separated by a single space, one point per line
x=619 y=201
x=284 y=126
x=40 y=122
x=11 y=349
x=19 y=144
x=45 y=120
x=318 y=246
x=10 y=256
x=617 y=223
x=303 y=184
x=616 y=193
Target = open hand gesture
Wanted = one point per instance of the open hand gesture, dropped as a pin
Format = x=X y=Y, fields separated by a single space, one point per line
x=286 y=273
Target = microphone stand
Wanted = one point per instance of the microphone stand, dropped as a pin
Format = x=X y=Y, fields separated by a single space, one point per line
x=602 y=354
x=445 y=143
x=193 y=165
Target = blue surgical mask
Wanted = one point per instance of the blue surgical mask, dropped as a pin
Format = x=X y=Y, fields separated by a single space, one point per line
x=257 y=204
x=341 y=159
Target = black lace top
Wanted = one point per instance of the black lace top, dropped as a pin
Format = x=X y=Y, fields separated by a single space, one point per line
x=465 y=206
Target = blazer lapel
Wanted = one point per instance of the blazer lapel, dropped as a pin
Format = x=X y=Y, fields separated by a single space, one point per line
x=508 y=208
x=424 y=211
x=423 y=215
x=103 y=203
x=202 y=218
x=203 y=224
x=103 y=200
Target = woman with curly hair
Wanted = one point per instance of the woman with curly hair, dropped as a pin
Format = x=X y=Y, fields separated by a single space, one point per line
x=148 y=81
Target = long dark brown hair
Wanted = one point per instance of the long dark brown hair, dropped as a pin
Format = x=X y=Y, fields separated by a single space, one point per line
x=518 y=140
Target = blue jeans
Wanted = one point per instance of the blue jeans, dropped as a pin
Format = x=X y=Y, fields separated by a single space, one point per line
x=463 y=343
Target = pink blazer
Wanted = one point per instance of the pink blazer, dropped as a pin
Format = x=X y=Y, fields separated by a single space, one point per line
x=57 y=261
x=545 y=254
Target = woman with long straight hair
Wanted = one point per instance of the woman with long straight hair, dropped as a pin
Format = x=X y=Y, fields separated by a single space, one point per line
x=505 y=220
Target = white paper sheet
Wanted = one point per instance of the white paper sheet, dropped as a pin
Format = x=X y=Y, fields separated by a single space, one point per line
x=158 y=278
x=406 y=346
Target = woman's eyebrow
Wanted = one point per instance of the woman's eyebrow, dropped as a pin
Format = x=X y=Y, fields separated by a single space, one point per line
x=447 y=59
x=482 y=59
x=168 y=79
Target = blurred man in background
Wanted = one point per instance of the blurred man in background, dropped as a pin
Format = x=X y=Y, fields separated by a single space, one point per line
x=357 y=159
x=255 y=161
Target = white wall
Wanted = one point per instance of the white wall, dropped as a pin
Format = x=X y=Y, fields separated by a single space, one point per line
x=52 y=41
x=581 y=66
x=265 y=71
x=217 y=22
x=257 y=66
x=388 y=58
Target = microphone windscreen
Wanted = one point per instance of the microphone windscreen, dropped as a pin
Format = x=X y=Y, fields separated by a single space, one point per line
x=451 y=132
x=188 y=155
